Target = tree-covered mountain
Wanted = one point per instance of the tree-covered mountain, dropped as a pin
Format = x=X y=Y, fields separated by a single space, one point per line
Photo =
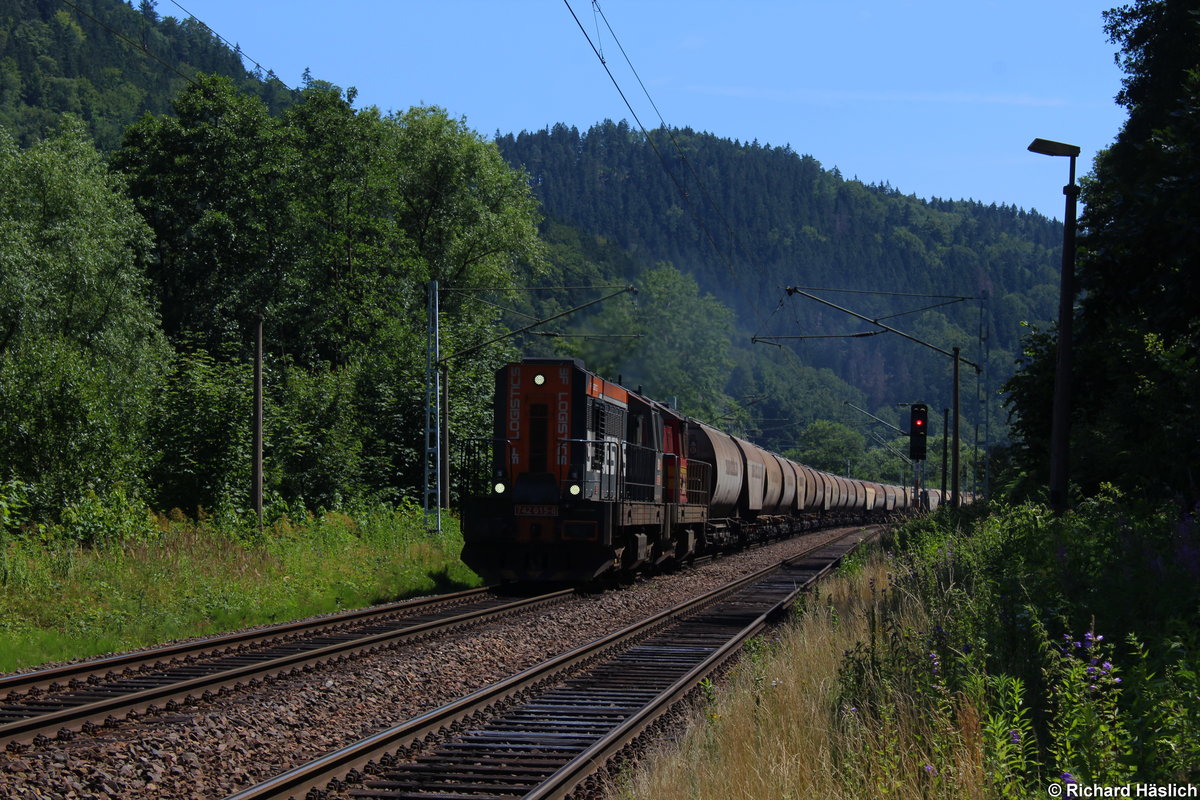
x=747 y=220
x=107 y=63
x=239 y=196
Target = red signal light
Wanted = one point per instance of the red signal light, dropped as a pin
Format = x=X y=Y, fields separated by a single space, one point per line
x=916 y=431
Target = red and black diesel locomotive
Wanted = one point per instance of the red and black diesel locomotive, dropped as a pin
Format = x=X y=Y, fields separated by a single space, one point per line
x=589 y=478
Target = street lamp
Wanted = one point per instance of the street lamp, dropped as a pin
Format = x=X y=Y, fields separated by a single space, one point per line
x=1060 y=423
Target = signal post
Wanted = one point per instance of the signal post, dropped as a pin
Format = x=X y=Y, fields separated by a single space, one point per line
x=918 y=434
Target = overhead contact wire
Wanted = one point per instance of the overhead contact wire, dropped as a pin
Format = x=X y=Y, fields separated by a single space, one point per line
x=671 y=134
x=234 y=47
x=657 y=152
x=136 y=45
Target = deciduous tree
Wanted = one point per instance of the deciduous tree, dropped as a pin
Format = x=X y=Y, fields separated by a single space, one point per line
x=80 y=347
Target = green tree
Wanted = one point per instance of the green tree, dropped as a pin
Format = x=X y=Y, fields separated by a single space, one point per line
x=80 y=348
x=201 y=426
x=471 y=218
x=1138 y=338
x=330 y=222
x=351 y=259
x=208 y=182
x=829 y=446
x=102 y=60
x=682 y=345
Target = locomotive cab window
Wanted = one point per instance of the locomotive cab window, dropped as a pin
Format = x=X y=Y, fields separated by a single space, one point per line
x=633 y=431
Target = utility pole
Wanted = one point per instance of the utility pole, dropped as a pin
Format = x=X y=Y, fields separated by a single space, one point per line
x=955 y=500
x=432 y=487
x=256 y=478
x=945 y=445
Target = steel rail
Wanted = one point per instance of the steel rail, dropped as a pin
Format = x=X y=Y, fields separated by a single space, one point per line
x=101 y=667
x=99 y=712
x=565 y=781
x=353 y=761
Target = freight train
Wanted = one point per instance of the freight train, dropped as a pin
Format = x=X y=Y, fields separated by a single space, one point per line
x=589 y=479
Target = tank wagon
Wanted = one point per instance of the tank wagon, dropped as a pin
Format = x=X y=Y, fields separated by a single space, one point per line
x=590 y=478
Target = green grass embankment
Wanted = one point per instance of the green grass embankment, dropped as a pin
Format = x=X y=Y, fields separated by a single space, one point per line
x=972 y=656
x=114 y=577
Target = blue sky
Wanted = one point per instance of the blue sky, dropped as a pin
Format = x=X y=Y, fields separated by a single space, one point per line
x=939 y=99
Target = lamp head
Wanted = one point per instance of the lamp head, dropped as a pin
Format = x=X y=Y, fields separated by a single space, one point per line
x=1049 y=148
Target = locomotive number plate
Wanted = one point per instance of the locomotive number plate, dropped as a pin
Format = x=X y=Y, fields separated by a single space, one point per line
x=536 y=511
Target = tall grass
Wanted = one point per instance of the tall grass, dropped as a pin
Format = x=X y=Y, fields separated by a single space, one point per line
x=782 y=726
x=113 y=576
x=982 y=657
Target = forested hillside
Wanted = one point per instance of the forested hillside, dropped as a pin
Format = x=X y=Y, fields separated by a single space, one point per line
x=125 y=359
x=132 y=290
x=106 y=63
x=747 y=220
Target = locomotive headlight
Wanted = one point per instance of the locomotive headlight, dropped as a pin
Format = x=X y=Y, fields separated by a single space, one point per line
x=500 y=487
x=539 y=379
x=575 y=489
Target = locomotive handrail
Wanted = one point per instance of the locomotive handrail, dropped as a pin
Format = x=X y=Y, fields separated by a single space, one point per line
x=698 y=485
x=644 y=461
x=481 y=452
x=696 y=481
x=613 y=492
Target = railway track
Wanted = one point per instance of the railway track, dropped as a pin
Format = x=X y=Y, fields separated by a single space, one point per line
x=549 y=730
x=62 y=701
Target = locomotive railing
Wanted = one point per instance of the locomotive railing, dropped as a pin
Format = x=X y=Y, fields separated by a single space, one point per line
x=699 y=476
x=639 y=481
x=609 y=482
x=641 y=473
x=477 y=463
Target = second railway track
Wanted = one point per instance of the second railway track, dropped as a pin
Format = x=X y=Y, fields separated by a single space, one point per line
x=61 y=701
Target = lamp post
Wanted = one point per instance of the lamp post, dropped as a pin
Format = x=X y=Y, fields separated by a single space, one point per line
x=1060 y=422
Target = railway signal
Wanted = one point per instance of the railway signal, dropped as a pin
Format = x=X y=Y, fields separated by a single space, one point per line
x=918 y=430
